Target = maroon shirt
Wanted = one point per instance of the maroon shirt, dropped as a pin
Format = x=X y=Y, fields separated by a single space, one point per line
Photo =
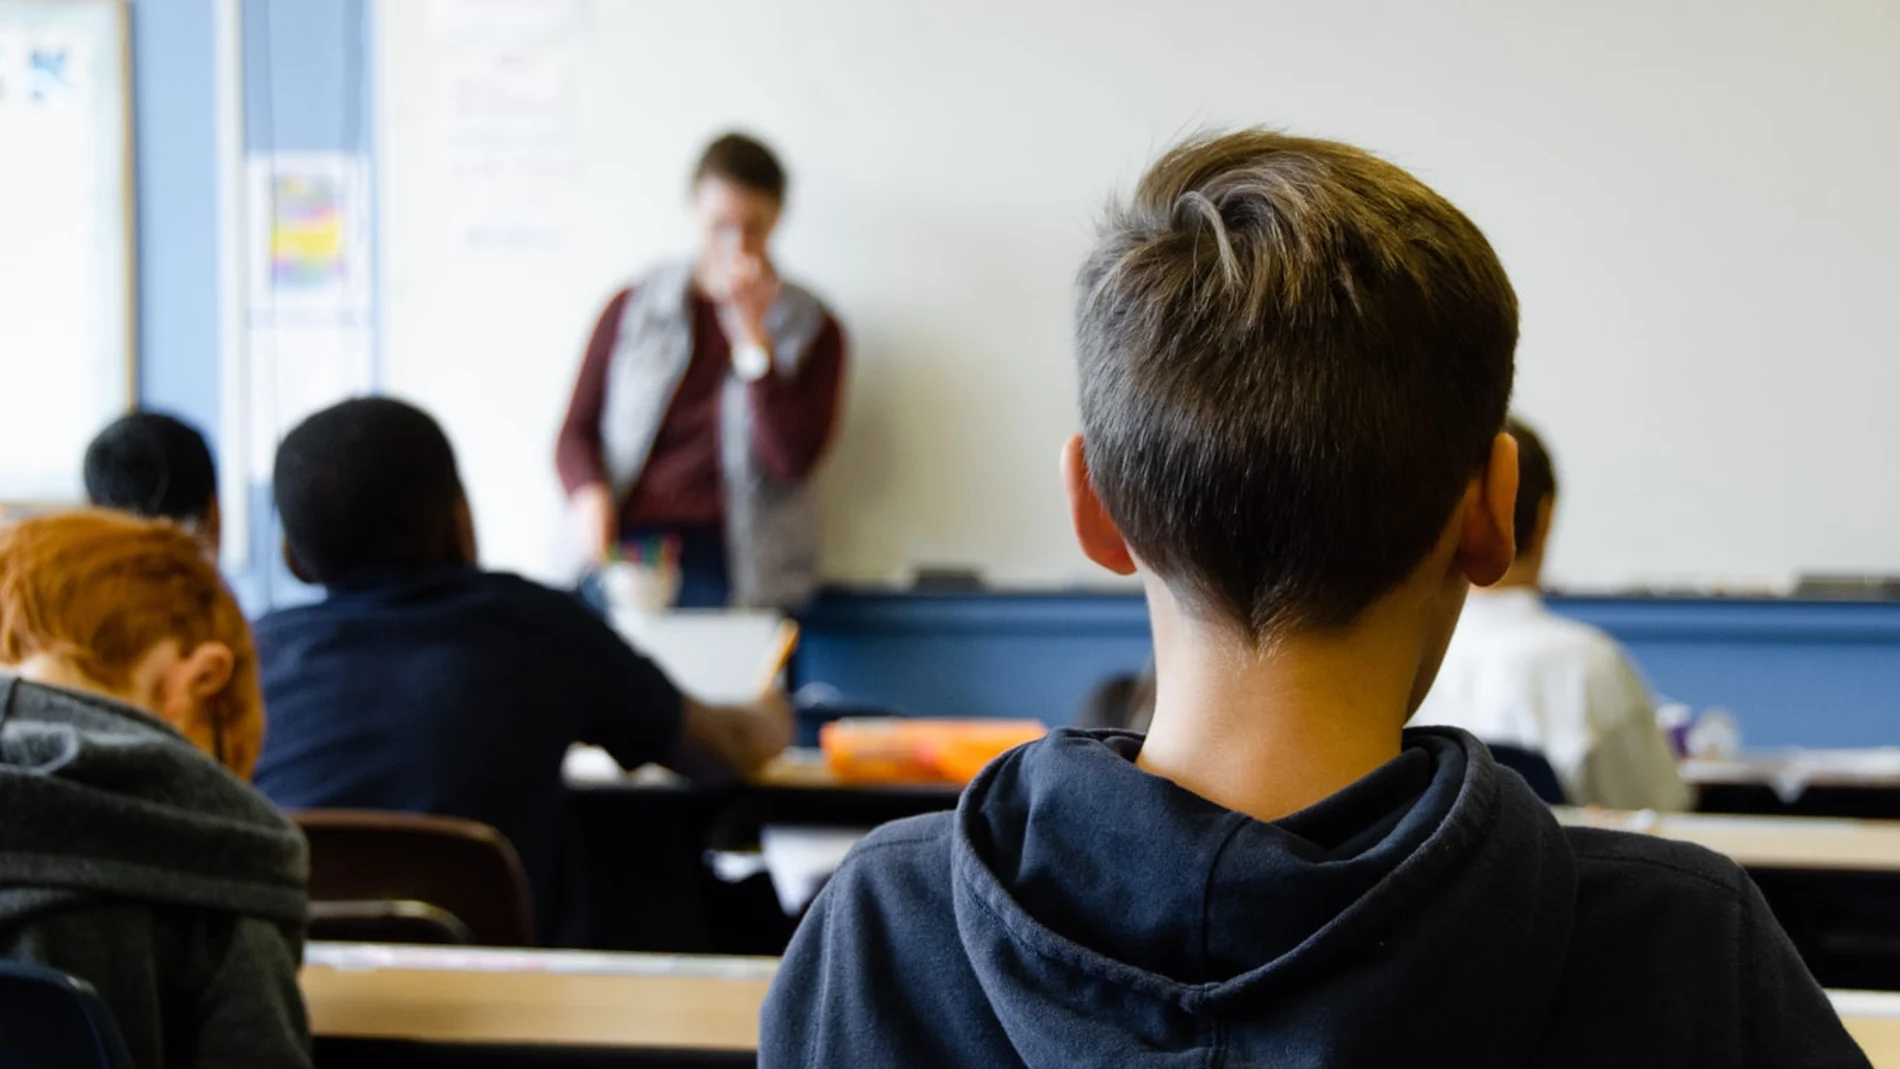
x=792 y=421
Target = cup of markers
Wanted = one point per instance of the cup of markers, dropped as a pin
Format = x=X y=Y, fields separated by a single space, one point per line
x=643 y=575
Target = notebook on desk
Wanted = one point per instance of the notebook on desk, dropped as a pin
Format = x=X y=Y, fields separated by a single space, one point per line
x=716 y=655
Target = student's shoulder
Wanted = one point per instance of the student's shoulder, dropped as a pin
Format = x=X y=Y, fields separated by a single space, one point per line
x=528 y=596
x=1558 y=642
x=1555 y=631
x=1649 y=912
x=289 y=620
x=907 y=858
x=1628 y=864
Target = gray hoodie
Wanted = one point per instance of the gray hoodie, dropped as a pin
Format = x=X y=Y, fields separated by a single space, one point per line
x=131 y=859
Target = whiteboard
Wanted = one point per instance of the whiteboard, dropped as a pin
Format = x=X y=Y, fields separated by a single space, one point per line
x=1695 y=200
x=66 y=364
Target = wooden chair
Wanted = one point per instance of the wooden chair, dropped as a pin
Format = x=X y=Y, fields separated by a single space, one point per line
x=409 y=878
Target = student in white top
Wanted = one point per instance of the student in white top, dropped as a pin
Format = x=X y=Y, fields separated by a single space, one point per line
x=1518 y=673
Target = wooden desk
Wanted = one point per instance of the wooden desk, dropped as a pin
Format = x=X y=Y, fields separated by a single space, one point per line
x=504 y=997
x=1873 y=1019
x=1767 y=842
x=560 y=999
x=637 y=843
x=1811 y=783
x=1794 y=769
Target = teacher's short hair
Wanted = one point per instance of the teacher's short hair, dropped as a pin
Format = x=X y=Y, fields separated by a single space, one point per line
x=367 y=485
x=744 y=161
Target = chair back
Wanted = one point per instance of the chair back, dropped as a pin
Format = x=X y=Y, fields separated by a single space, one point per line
x=1534 y=767
x=52 y=1020
x=410 y=878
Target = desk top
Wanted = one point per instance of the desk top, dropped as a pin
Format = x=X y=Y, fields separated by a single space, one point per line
x=513 y=997
x=1766 y=842
x=520 y=997
x=1873 y=1019
x=1791 y=772
x=795 y=769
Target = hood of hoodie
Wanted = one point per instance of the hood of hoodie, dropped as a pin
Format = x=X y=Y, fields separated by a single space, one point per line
x=100 y=799
x=1108 y=910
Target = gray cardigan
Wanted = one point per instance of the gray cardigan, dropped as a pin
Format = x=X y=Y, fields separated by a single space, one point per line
x=132 y=860
x=771 y=523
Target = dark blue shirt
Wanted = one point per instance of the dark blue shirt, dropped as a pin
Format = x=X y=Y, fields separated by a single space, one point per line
x=454 y=692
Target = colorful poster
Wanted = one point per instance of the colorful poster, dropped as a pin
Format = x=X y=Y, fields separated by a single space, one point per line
x=306 y=237
x=309 y=236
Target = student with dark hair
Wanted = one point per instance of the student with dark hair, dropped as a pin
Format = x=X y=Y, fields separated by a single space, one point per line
x=421 y=683
x=158 y=466
x=1294 y=365
x=1517 y=673
x=707 y=396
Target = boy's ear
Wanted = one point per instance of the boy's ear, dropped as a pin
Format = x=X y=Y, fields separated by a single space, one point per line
x=1095 y=531
x=1488 y=542
x=296 y=567
x=465 y=545
x=207 y=669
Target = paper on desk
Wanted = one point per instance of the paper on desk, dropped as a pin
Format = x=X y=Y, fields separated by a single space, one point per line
x=590 y=764
x=801 y=859
x=369 y=957
x=715 y=655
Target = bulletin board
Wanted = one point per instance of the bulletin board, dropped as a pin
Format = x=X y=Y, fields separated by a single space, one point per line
x=67 y=295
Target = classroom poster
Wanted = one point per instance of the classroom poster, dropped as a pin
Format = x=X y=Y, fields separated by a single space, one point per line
x=309 y=342
x=309 y=235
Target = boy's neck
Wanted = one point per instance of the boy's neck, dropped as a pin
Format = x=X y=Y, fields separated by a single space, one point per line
x=1269 y=730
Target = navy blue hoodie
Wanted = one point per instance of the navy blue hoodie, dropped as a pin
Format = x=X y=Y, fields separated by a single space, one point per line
x=1075 y=910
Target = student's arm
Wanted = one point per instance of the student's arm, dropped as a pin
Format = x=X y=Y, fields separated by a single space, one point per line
x=1786 y=1017
x=742 y=737
x=793 y=415
x=639 y=716
x=251 y=1011
x=577 y=451
x=1630 y=764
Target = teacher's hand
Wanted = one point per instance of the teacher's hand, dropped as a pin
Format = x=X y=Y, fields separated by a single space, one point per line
x=752 y=289
x=597 y=519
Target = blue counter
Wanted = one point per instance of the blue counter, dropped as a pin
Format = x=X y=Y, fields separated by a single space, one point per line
x=1794 y=673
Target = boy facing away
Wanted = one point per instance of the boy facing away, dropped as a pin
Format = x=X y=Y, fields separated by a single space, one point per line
x=424 y=684
x=1295 y=361
x=158 y=466
x=132 y=854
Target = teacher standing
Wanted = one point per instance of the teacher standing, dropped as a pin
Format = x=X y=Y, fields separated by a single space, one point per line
x=708 y=394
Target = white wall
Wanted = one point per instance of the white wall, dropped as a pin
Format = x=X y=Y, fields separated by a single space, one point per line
x=1695 y=198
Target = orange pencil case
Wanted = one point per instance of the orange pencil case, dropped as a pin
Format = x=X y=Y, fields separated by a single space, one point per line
x=905 y=750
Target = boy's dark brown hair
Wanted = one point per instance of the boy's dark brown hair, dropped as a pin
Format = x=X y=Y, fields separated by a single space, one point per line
x=1536 y=481
x=1293 y=357
x=367 y=485
x=744 y=161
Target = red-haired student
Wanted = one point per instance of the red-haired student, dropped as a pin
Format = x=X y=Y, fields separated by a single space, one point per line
x=133 y=854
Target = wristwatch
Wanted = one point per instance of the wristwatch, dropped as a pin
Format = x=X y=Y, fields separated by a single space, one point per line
x=751 y=361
